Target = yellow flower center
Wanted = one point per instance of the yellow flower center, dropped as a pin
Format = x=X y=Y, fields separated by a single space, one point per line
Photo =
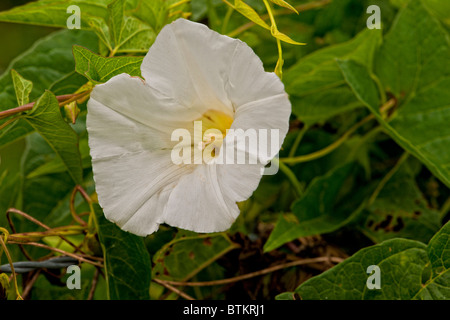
x=214 y=129
x=214 y=119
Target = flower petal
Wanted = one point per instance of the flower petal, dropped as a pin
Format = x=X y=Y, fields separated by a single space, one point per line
x=262 y=106
x=189 y=69
x=247 y=79
x=238 y=181
x=269 y=118
x=129 y=130
x=133 y=189
x=190 y=63
x=126 y=114
x=197 y=203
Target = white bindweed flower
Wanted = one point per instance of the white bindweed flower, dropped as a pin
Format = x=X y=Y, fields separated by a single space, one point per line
x=192 y=75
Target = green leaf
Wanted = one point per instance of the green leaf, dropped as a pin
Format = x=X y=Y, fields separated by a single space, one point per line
x=404 y=272
x=248 y=12
x=284 y=4
x=116 y=19
x=438 y=286
x=419 y=80
x=360 y=81
x=46 y=118
x=22 y=87
x=10 y=163
x=318 y=80
x=401 y=263
x=188 y=254
x=128 y=33
x=313 y=108
x=56 y=165
x=285 y=296
x=99 y=69
x=322 y=209
x=156 y=13
x=401 y=210
x=439 y=250
x=101 y=29
x=48 y=64
x=439 y=8
x=53 y=13
x=399 y=3
x=423 y=45
x=281 y=36
x=47 y=197
x=126 y=259
x=319 y=70
x=135 y=36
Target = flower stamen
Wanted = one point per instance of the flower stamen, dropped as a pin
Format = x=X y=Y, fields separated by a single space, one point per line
x=213 y=122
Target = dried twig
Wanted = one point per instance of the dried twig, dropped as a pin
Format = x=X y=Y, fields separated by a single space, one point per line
x=34 y=220
x=30 y=284
x=79 y=257
x=173 y=289
x=252 y=274
x=94 y=284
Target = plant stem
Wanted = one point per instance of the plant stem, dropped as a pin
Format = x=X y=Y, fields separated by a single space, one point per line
x=72 y=205
x=3 y=244
x=328 y=149
x=270 y=13
x=445 y=208
x=300 y=8
x=291 y=176
x=387 y=177
x=227 y=19
x=13 y=111
x=297 y=141
x=176 y=4
x=63 y=100
x=94 y=284
x=173 y=289
x=388 y=105
x=30 y=218
x=380 y=88
x=4 y=125
x=30 y=284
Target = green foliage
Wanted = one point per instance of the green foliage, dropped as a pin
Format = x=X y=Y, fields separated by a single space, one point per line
x=127 y=262
x=48 y=64
x=365 y=167
x=53 y=13
x=119 y=29
x=98 y=69
x=404 y=272
x=319 y=73
x=188 y=253
x=22 y=87
x=46 y=119
x=417 y=82
x=322 y=208
x=126 y=33
x=407 y=215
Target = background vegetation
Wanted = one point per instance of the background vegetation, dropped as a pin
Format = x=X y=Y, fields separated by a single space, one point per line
x=365 y=168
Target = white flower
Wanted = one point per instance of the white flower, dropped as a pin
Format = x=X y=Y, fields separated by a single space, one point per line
x=191 y=73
